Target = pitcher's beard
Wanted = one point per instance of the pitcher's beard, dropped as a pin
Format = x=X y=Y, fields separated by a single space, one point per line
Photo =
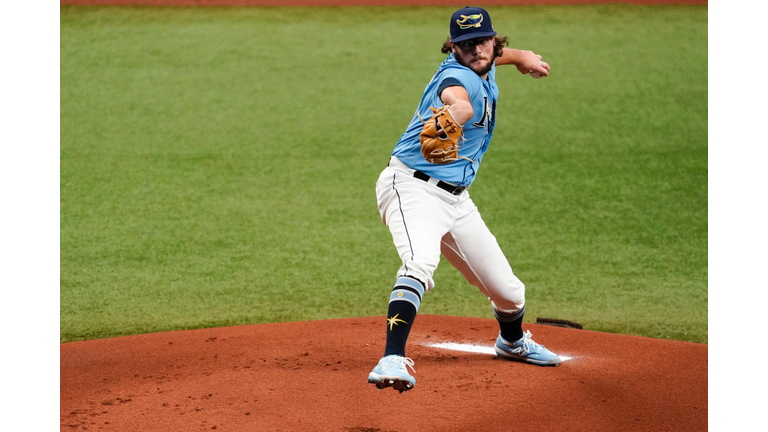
x=475 y=68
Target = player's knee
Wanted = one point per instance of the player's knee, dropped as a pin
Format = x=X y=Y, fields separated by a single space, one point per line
x=423 y=274
x=425 y=280
x=510 y=299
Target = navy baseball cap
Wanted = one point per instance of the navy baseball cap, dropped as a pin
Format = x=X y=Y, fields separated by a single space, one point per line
x=470 y=23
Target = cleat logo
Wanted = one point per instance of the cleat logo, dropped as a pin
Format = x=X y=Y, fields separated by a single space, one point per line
x=469 y=21
x=391 y=322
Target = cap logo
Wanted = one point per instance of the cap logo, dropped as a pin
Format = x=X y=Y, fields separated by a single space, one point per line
x=469 y=21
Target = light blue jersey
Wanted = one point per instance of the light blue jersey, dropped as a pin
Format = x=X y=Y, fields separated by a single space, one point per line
x=477 y=131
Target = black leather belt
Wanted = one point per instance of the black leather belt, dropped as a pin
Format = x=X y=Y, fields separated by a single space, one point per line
x=454 y=190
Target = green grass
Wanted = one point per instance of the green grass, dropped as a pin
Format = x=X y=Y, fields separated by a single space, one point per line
x=218 y=165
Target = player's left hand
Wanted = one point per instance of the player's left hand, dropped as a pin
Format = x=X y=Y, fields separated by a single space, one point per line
x=441 y=137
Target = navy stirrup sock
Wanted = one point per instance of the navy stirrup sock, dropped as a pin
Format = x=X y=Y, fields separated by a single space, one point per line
x=403 y=306
x=510 y=324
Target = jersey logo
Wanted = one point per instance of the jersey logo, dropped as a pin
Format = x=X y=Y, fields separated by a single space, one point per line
x=469 y=21
x=394 y=321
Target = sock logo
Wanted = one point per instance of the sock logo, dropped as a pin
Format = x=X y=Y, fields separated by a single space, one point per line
x=391 y=322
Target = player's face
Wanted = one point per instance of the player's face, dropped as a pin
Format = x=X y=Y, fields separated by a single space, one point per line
x=476 y=54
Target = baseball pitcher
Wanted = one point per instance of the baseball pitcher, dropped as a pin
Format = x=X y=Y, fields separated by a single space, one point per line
x=423 y=196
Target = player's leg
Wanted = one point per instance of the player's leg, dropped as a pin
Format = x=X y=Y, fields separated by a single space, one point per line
x=413 y=217
x=475 y=252
x=417 y=222
x=404 y=302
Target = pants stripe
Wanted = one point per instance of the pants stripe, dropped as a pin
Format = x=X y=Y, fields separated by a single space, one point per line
x=400 y=205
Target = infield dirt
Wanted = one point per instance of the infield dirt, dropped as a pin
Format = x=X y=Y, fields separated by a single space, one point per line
x=312 y=376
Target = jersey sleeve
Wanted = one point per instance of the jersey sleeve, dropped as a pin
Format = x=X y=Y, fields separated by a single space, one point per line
x=461 y=77
x=447 y=82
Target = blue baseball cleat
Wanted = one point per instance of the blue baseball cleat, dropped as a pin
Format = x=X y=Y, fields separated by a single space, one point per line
x=525 y=349
x=392 y=372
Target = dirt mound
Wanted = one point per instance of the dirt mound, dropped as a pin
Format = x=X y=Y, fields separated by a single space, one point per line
x=312 y=376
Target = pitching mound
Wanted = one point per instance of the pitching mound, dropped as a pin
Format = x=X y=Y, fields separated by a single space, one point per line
x=312 y=376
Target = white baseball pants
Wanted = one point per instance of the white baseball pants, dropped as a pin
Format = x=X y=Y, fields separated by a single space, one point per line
x=426 y=221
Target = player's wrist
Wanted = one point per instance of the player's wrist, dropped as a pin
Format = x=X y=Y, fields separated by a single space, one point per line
x=460 y=123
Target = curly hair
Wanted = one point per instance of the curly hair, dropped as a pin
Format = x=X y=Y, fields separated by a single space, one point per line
x=498 y=46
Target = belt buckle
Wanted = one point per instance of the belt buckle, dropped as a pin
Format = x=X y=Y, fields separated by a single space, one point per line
x=458 y=190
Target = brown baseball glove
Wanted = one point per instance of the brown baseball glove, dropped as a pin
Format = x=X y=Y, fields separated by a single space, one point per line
x=441 y=138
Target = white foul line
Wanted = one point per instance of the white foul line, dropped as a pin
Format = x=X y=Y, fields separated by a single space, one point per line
x=480 y=349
